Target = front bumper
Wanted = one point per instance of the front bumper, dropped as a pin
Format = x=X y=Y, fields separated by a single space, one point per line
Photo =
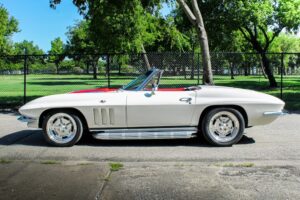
x=274 y=114
x=31 y=122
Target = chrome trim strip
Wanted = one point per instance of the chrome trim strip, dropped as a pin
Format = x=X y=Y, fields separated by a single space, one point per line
x=154 y=129
x=31 y=122
x=144 y=134
x=278 y=113
x=25 y=119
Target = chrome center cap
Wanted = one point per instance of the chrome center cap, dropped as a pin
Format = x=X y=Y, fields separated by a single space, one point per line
x=224 y=129
x=63 y=130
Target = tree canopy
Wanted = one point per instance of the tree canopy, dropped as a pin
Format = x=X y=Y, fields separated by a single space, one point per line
x=27 y=47
x=8 y=26
x=57 y=52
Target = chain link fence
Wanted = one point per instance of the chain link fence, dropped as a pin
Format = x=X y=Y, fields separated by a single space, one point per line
x=26 y=77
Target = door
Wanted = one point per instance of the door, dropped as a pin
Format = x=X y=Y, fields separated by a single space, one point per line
x=161 y=109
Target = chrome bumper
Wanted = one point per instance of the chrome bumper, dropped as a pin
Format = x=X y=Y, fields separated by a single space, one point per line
x=279 y=113
x=31 y=122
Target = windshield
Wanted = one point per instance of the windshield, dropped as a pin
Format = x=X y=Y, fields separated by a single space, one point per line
x=133 y=85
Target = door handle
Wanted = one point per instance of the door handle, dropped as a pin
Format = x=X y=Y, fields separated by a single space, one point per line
x=102 y=101
x=186 y=99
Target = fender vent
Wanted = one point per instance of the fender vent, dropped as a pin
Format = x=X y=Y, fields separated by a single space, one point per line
x=104 y=116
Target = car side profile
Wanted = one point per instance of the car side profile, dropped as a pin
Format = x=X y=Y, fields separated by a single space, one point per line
x=142 y=110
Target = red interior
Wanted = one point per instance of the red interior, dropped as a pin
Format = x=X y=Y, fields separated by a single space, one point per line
x=171 y=89
x=114 y=89
x=96 y=90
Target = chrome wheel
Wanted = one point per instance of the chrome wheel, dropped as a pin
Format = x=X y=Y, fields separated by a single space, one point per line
x=61 y=128
x=224 y=126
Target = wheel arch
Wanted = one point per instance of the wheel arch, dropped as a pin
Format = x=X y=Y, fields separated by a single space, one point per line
x=238 y=108
x=73 y=110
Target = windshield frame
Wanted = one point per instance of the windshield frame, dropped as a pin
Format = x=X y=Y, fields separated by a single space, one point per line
x=153 y=71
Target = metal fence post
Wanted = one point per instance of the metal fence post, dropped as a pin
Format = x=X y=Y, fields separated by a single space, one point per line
x=25 y=77
x=198 y=69
x=281 y=76
x=108 y=70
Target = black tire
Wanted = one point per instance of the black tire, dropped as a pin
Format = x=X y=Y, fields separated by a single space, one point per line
x=209 y=136
x=77 y=135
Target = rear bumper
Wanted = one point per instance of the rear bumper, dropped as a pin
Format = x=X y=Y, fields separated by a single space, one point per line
x=31 y=122
x=274 y=114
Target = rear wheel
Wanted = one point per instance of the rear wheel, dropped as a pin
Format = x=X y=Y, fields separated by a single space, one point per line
x=223 y=126
x=62 y=129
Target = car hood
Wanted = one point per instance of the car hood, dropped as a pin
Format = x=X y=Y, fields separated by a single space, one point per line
x=61 y=101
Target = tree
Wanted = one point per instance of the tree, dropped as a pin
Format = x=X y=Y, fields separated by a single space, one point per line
x=161 y=34
x=81 y=47
x=196 y=19
x=115 y=26
x=8 y=26
x=28 y=48
x=286 y=43
x=119 y=26
x=57 y=52
x=259 y=21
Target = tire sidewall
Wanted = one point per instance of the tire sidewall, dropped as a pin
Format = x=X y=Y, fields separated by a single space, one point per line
x=205 y=127
x=74 y=140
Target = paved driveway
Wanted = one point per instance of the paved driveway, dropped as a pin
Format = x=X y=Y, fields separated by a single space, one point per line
x=264 y=165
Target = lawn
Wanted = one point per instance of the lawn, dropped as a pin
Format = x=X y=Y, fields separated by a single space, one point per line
x=11 y=86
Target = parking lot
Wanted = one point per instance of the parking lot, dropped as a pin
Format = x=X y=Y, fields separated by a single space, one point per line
x=264 y=165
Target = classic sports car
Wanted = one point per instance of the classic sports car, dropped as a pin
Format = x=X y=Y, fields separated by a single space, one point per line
x=142 y=110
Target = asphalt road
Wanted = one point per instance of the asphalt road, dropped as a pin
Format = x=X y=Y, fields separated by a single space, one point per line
x=264 y=165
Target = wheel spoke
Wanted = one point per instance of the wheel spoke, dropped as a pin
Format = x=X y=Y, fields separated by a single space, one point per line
x=224 y=126
x=61 y=128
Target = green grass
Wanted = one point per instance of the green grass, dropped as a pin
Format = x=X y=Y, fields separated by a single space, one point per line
x=238 y=165
x=115 y=166
x=49 y=162
x=11 y=86
x=4 y=161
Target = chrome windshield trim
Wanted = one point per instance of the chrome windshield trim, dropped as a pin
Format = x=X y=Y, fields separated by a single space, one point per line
x=148 y=79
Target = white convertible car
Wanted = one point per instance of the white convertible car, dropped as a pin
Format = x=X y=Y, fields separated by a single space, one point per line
x=141 y=110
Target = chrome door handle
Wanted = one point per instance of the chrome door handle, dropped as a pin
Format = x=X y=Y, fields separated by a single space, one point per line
x=186 y=99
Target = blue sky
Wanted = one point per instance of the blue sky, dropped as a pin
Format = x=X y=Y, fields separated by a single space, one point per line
x=41 y=24
x=38 y=22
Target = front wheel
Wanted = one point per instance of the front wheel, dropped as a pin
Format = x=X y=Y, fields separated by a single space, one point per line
x=223 y=126
x=62 y=129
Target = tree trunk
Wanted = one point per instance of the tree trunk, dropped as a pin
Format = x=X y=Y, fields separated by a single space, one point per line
x=193 y=66
x=57 y=68
x=95 y=71
x=119 y=73
x=231 y=71
x=145 y=57
x=246 y=69
x=174 y=70
x=206 y=62
x=265 y=63
x=268 y=71
x=87 y=68
x=196 y=19
x=263 y=69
